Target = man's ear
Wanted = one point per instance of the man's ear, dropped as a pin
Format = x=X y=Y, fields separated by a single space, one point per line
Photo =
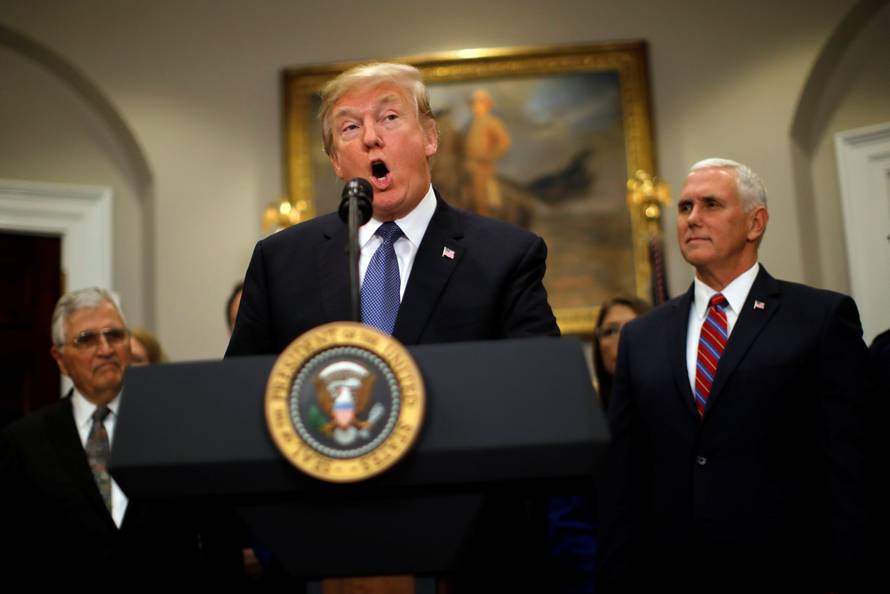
x=431 y=138
x=335 y=161
x=60 y=361
x=757 y=223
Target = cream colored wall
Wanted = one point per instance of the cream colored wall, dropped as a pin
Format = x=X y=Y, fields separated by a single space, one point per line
x=864 y=100
x=49 y=133
x=198 y=85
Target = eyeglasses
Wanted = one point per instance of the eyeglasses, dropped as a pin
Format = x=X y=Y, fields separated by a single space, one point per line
x=609 y=331
x=90 y=339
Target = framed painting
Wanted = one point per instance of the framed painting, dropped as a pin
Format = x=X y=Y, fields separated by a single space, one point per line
x=546 y=138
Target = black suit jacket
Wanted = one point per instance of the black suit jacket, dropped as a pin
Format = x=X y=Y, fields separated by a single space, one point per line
x=298 y=279
x=766 y=490
x=491 y=288
x=56 y=528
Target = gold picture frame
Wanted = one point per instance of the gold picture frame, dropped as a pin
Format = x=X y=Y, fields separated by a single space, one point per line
x=577 y=123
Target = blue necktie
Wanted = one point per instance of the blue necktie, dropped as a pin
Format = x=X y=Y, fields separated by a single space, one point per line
x=380 y=289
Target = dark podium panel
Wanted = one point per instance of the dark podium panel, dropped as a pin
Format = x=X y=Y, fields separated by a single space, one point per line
x=504 y=417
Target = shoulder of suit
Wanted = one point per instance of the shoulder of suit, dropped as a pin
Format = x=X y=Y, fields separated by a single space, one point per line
x=791 y=289
x=310 y=230
x=35 y=421
x=881 y=342
x=476 y=224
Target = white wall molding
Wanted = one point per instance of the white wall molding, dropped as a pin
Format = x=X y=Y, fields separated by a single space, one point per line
x=80 y=215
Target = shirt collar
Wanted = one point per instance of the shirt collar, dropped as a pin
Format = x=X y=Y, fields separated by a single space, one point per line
x=83 y=408
x=735 y=292
x=413 y=225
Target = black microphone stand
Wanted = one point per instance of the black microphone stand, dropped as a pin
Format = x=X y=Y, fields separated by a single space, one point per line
x=355 y=210
x=352 y=254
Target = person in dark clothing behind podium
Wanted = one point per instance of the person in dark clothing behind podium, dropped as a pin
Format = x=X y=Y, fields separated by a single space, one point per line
x=879 y=355
x=64 y=518
x=232 y=305
x=572 y=525
x=460 y=276
x=879 y=491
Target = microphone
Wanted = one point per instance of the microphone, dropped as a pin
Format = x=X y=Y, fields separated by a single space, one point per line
x=355 y=210
x=364 y=196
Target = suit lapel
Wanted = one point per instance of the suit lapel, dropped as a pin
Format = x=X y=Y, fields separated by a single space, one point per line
x=748 y=326
x=65 y=439
x=432 y=268
x=333 y=273
x=679 y=326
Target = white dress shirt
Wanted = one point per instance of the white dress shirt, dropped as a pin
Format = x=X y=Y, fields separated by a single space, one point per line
x=413 y=227
x=735 y=292
x=83 y=417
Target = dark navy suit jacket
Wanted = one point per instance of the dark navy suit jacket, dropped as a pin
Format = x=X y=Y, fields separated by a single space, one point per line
x=491 y=288
x=56 y=529
x=766 y=490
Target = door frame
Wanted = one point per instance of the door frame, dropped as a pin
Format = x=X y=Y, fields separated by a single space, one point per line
x=863 y=164
x=80 y=215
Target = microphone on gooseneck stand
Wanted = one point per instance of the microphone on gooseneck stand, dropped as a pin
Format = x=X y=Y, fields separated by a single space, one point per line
x=355 y=210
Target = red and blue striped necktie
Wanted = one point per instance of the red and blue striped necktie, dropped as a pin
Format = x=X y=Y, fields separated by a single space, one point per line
x=711 y=342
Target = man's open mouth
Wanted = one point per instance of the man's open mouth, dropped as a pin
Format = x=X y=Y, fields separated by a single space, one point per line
x=381 y=178
x=379 y=170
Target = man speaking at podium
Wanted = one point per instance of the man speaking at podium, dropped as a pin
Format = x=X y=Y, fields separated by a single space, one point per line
x=449 y=275
x=429 y=273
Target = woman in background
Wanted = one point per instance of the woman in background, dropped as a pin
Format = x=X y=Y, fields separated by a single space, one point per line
x=614 y=314
x=145 y=348
x=572 y=527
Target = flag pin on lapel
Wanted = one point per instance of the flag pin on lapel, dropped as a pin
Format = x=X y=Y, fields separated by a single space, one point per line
x=448 y=253
x=759 y=304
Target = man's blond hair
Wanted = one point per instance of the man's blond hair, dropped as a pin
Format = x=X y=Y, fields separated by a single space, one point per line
x=371 y=75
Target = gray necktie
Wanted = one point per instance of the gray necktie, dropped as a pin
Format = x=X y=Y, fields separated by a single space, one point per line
x=98 y=450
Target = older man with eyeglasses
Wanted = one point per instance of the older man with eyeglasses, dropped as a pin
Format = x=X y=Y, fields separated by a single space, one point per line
x=64 y=518
x=91 y=346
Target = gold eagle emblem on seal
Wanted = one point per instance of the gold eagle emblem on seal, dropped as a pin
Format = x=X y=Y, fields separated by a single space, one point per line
x=344 y=402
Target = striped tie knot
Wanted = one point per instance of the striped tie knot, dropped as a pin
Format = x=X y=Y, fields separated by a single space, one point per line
x=711 y=343
x=718 y=300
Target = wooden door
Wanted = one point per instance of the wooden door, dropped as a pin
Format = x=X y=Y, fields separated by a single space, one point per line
x=30 y=285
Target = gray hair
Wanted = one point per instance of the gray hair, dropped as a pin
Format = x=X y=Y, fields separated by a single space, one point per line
x=89 y=298
x=371 y=75
x=748 y=184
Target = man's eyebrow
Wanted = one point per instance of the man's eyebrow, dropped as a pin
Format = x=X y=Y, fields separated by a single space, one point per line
x=385 y=101
x=345 y=112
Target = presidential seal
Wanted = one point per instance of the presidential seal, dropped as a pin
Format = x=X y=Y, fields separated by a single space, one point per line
x=344 y=402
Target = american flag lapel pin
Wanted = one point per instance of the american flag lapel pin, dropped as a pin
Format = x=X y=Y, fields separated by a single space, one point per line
x=759 y=305
x=448 y=253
